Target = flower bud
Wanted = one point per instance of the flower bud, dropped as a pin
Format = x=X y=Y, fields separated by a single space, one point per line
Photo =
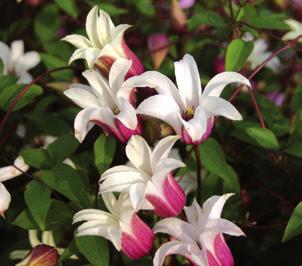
x=41 y=255
x=158 y=45
x=186 y=3
x=178 y=17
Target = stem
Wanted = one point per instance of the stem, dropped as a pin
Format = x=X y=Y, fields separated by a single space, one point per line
x=199 y=183
x=24 y=90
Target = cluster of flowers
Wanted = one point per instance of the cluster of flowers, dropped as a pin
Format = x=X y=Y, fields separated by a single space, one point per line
x=147 y=183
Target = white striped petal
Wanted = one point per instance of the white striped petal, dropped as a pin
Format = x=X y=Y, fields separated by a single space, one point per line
x=77 y=40
x=92 y=25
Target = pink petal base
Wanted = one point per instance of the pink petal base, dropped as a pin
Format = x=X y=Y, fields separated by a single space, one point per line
x=186 y=138
x=222 y=252
x=138 y=244
x=173 y=201
x=137 y=67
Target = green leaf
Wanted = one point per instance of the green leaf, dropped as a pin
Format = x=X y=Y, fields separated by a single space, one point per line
x=145 y=7
x=26 y=221
x=68 y=252
x=264 y=137
x=104 y=150
x=206 y=18
x=295 y=149
x=294 y=226
x=69 y=183
x=94 y=249
x=59 y=215
x=237 y=53
x=37 y=198
x=113 y=10
x=37 y=158
x=68 y=6
x=62 y=148
x=47 y=23
x=8 y=94
x=268 y=21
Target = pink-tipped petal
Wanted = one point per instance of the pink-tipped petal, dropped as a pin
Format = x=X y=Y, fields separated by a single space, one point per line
x=223 y=252
x=211 y=259
x=137 y=67
x=124 y=133
x=139 y=243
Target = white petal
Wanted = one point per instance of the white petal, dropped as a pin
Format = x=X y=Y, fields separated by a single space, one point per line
x=221 y=80
x=224 y=226
x=162 y=107
x=109 y=51
x=104 y=27
x=24 y=78
x=110 y=202
x=117 y=73
x=100 y=88
x=177 y=228
x=137 y=195
x=5 y=56
x=197 y=126
x=105 y=116
x=5 y=199
x=170 y=248
x=119 y=179
x=139 y=154
x=188 y=81
x=27 y=61
x=162 y=149
x=81 y=95
x=17 y=50
x=93 y=214
x=92 y=26
x=153 y=79
x=89 y=54
x=78 y=41
x=115 y=236
x=117 y=38
x=214 y=205
x=217 y=106
x=9 y=172
x=193 y=213
x=127 y=114
x=82 y=123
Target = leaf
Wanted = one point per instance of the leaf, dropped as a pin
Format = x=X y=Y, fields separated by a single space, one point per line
x=8 y=94
x=94 y=249
x=294 y=226
x=237 y=53
x=104 y=149
x=268 y=21
x=206 y=18
x=68 y=252
x=113 y=10
x=26 y=221
x=69 y=183
x=62 y=148
x=37 y=158
x=37 y=198
x=68 y=6
x=59 y=215
x=264 y=137
x=47 y=23
x=295 y=149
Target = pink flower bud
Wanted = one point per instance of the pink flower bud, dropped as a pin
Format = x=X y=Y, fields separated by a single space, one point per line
x=178 y=17
x=158 y=45
x=171 y=202
x=137 y=244
x=186 y=3
x=41 y=255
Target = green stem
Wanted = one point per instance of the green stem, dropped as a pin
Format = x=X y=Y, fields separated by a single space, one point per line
x=199 y=181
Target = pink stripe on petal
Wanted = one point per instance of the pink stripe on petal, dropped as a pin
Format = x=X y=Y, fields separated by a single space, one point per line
x=223 y=252
x=211 y=259
x=103 y=64
x=140 y=243
x=125 y=132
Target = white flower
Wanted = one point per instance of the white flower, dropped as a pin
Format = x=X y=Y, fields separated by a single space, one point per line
x=104 y=41
x=296 y=30
x=120 y=225
x=6 y=173
x=189 y=111
x=16 y=62
x=199 y=239
x=149 y=178
x=260 y=53
x=102 y=105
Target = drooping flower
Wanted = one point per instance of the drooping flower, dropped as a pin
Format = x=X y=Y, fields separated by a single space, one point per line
x=158 y=45
x=102 y=105
x=260 y=53
x=121 y=225
x=105 y=43
x=6 y=173
x=16 y=62
x=189 y=111
x=295 y=30
x=41 y=255
x=149 y=178
x=200 y=239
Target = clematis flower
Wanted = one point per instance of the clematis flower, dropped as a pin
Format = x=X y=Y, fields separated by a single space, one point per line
x=150 y=177
x=6 y=173
x=189 y=111
x=295 y=30
x=105 y=43
x=260 y=53
x=200 y=239
x=102 y=105
x=16 y=62
x=121 y=225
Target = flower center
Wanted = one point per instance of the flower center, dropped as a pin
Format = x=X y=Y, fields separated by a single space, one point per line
x=116 y=111
x=189 y=113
